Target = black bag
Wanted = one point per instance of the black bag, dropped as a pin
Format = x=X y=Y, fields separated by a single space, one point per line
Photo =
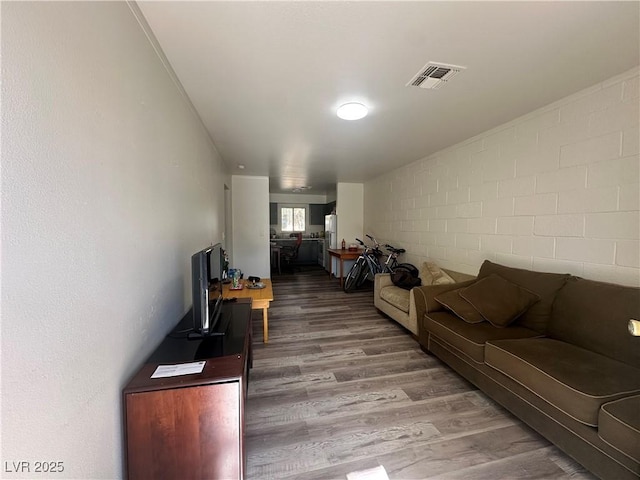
x=406 y=276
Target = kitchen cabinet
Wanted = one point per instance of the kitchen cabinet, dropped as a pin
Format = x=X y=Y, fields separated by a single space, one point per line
x=329 y=207
x=320 y=243
x=309 y=250
x=316 y=213
x=313 y=252
x=304 y=253
x=273 y=213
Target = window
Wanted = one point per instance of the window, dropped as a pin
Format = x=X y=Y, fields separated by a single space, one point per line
x=293 y=219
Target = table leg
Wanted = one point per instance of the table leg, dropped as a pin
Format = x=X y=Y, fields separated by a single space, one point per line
x=265 y=325
x=341 y=276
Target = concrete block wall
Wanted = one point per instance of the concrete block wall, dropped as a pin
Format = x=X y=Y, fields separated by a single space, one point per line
x=555 y=190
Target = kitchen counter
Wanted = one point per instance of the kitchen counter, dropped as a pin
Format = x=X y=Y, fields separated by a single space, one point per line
x=311 y=250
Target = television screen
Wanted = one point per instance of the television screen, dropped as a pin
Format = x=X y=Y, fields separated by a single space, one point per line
x=206 y=272
x=215 y=259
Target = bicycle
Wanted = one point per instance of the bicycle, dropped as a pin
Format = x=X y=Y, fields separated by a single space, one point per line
x=368 y=264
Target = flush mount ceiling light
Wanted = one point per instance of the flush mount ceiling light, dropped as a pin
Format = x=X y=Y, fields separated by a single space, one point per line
x=352 y=111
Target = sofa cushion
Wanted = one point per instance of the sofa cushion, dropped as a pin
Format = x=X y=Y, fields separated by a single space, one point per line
x=396 y=296
x=545 y=285
x=498 y=300
x=459 y=306
x=432 y=274
x=470 y=339
x=574 y=380
x=595 y=315
x=619 y=425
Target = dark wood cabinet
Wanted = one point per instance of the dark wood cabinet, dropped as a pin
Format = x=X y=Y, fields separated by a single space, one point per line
x=311 y=252
x=308 y=251
x=304 y=253
x=316 y=214
x=192 y=426
x=329 y=208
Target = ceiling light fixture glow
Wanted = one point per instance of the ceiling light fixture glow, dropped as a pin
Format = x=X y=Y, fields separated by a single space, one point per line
x=352 y=111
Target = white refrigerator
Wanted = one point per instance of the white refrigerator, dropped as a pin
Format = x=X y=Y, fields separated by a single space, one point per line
x=330 y=238
x=330 y=230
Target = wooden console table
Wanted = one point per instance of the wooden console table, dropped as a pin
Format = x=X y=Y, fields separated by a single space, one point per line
x=191 y=426
x=342 y=255
x=261 y=298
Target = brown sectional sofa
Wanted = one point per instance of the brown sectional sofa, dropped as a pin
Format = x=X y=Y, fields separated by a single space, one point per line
x=567 y=366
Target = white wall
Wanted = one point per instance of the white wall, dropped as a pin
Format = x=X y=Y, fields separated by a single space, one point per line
x=109 y=184
x=251 y=249
x=350 y=216
x=555 y=190
x=350 y=211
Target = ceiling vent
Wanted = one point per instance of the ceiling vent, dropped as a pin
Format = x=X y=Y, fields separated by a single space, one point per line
x=434 y=75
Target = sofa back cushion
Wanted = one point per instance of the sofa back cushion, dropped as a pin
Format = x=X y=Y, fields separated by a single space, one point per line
x=543 y=284
x=432 y=274
x=595 y=316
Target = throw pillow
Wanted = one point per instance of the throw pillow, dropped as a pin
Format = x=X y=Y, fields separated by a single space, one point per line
x=431 y=274
x=498 y=300
x=452 y=301
x=544 y=284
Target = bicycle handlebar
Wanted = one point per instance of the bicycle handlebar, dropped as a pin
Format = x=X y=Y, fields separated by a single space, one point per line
x=393 y=249
x=371 y=249
x=375 y=242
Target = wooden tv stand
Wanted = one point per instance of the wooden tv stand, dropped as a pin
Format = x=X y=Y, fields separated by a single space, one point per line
x=191 y=426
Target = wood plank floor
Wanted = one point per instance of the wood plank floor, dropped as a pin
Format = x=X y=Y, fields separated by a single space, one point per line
x=340 y=387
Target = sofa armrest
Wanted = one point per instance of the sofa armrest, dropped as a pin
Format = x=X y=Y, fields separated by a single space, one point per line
x=422 y=299
x=381 y=280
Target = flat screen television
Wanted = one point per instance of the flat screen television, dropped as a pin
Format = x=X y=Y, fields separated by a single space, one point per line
x=206 y=275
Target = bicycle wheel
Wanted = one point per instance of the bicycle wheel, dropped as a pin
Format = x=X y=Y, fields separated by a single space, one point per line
x=353 y=277
x=373 y=267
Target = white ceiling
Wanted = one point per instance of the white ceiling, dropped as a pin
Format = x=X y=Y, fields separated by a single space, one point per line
x=266 y=77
